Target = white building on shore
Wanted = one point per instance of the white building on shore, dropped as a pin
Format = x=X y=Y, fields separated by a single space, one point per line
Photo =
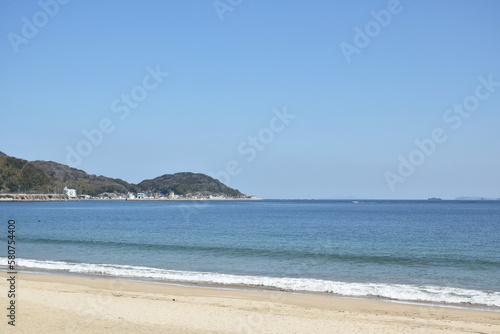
x=70 y=192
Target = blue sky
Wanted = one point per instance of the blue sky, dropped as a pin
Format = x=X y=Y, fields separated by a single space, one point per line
x=353 y=117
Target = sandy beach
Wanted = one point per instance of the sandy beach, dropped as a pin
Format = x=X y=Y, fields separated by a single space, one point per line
x=66 y=304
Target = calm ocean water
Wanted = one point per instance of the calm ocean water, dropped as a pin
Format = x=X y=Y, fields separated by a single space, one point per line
x=433 y=251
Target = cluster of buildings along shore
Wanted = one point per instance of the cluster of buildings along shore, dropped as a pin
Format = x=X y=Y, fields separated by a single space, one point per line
x=72 y=194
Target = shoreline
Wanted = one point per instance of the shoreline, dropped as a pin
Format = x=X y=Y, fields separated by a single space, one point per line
x=48 y=302
x=389 y=292
x=270 y=289
x=63 y=198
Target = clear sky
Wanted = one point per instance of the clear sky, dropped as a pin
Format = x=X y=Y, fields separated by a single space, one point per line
x=279 y=99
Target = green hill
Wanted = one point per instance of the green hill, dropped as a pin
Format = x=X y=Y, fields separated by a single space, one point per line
x=18 y=175
x=189 y=183
x=65 y=176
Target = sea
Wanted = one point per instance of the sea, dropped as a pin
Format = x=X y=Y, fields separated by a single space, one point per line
x=445 y=252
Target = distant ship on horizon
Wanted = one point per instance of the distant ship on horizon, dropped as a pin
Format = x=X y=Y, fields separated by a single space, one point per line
x=435 y=199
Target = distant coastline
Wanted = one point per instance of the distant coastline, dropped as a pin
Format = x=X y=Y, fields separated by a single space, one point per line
x=63 y=197
x=11 y=197
x=47 y=181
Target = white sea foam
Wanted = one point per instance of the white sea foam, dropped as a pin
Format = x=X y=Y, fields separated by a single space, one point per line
x=393 y=291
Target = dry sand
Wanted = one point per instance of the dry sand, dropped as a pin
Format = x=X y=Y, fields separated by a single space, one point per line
x=63 y=304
